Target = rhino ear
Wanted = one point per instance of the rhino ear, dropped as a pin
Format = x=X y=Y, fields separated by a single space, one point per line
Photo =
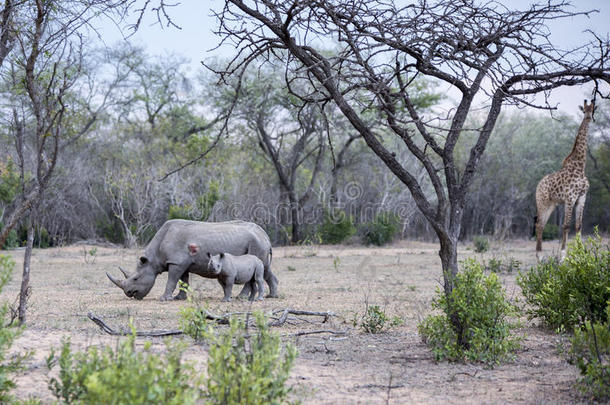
x=143 y=260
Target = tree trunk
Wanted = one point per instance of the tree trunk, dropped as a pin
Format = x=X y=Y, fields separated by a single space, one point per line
x=25 y=278
x=295 y=218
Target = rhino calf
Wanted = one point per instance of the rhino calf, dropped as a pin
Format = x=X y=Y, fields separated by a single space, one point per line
x=245 y=269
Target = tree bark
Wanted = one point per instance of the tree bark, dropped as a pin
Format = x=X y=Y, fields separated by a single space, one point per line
x=25 y=277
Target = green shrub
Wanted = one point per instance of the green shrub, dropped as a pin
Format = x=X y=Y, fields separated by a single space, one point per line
x=123 y=375
x=336 y=227
x=382 y=229
x=203 y=205
x=247 y=369
x=550 y=232
x=591 y=352
x=496 y=265
x=565 y=295
x=12 y=241
x=481 y=244
x=9 y=331
x=375 y=320
x=244 y=366
x=482 y=331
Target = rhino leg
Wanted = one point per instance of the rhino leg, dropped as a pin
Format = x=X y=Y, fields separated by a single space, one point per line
x=227 y=286
x=271 y=282
x=174 y=273
x=185 y=279
x=246 y=291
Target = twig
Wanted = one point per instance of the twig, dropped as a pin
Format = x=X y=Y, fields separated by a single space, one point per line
x=314 y=332
x=113 y=332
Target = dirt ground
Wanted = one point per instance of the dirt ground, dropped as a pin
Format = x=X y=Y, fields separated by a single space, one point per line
x=358 y=368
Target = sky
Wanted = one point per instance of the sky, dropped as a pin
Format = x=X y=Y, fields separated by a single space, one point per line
x=196 y=41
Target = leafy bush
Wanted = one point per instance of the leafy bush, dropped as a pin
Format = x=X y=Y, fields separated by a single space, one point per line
x=482 y=331
x=496 y=265
x=123 y=375
x=9 y=331
x=550 y=232
x=591 y=352
x=481 y=244
x=336 y=227
x=569 y=293
x=243 y=366
x=382 y=229
x=203 y=206
x=247 y=369
x=12 y=241
x=375 y=320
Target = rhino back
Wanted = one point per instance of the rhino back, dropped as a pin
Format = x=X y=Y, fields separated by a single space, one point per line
x=213 y=237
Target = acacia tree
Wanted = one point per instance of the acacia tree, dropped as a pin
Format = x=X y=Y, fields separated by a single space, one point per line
x=481 y=50
x=290 y=135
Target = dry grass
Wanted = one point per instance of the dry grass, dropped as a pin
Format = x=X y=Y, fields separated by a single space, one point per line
x=357 y=369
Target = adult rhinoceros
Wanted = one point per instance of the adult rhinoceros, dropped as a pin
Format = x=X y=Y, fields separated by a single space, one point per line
x=169 y=247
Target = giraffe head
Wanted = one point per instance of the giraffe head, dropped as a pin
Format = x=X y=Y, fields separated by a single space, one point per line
x=588 y=109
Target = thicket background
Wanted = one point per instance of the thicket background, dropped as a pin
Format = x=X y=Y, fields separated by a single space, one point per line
x=109 y=184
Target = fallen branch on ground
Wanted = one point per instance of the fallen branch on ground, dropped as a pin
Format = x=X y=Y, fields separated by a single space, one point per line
x=224 y=320
x=113 y=332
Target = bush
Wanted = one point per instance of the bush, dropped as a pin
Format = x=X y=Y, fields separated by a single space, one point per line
x=591 y=352
x=202 y=209
x=247 y=370
x=9 y=331
x=336 y=227
x=382 y=229
x=123 y=375
x=12 y=241
x=565 y=295
x=481 y=244
x=375 y=320
x=483 y=332
x=550 y=232
x=243 y=366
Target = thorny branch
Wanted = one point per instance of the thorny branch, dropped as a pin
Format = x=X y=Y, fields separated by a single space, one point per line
x=224 y=320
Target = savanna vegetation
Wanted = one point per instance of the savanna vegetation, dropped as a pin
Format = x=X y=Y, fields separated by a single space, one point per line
x=355 y=141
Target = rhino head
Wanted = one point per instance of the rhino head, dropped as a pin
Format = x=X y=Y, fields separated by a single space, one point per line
x=215 y=263
x=138 y=284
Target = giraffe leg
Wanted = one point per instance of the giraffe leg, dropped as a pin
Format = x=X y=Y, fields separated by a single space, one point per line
x=580 y=208
x=567 y=221
x=544 y=212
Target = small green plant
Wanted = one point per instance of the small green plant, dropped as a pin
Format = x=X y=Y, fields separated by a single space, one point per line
x=567 y=294
x=473 y=324
x=244 y=366
x=550 y=232
x=375 y=320
x=336 y=227
x=481 y=244
x=336 y=263
x=382 y=229
x=89 y=255
x=123 y=375
x=9 y=331
x=496 y=265
x=591 y=352
x=248 y=369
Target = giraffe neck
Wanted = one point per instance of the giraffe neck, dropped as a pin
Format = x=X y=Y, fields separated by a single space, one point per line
x=578 y=157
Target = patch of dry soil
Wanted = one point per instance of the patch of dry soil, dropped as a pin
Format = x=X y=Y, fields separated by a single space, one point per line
x=359 y=368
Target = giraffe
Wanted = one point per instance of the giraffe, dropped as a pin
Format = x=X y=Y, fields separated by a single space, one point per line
x=568 y=186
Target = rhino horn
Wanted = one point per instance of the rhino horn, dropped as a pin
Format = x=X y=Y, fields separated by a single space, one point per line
x=125 y=272
x=119 y=283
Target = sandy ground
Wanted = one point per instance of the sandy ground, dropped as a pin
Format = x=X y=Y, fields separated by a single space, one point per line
x=359 y=368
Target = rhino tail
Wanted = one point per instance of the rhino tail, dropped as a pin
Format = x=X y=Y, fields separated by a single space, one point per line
x=270 y=255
